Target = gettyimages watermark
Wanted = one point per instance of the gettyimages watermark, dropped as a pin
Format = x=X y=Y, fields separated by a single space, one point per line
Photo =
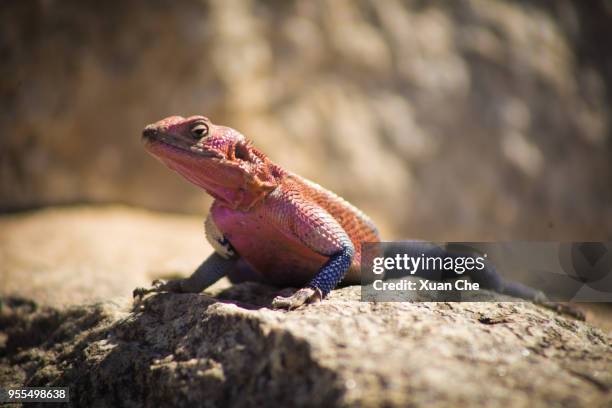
x=487 y=271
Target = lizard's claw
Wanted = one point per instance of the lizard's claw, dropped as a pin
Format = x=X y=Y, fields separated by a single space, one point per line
x=565 y=309
x=299 y=298
x=561 y=308
x=156 y=286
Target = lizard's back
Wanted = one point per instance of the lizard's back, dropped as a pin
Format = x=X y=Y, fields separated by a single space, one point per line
x=357 y=225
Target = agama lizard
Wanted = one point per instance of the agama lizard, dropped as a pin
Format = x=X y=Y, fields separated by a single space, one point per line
x=266 y=223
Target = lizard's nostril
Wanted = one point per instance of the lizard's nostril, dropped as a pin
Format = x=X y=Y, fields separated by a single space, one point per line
x=149 y=133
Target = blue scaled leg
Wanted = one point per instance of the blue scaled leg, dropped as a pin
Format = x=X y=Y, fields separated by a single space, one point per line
x=328 y=277
x=333 y=271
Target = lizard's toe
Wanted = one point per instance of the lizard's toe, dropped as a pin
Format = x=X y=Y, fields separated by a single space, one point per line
x=565 y=309
x=156 y=286
x=299 y=298
x=139 y=293
x=561 y=308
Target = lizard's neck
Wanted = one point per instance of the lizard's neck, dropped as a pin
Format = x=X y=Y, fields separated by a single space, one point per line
x=237 y=183
x=252 y=193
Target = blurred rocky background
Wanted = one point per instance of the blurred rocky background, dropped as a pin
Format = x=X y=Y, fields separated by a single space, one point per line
x=460 y=120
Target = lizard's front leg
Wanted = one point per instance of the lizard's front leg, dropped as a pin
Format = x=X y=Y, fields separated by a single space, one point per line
x=326 y=279
x=211 y=270
x=301 y=219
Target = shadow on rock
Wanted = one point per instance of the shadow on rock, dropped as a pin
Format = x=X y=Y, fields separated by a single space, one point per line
x=170 y=350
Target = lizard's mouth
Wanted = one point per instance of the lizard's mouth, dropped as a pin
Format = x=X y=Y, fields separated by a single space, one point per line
x=154 y=140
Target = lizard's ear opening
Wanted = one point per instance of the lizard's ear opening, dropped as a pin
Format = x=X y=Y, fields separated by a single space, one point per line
x=242 y=152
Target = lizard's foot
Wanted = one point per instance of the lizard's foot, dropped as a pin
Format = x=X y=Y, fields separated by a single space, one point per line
x=299 y=298
x=561 y=308
x=565 y=309
x=158 y=286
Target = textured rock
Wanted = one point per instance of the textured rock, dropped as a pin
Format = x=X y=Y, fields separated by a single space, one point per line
x=226 y=347
x=193 y=349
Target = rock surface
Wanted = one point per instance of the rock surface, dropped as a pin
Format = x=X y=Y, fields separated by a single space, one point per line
x=195 y=349
x=226 y=347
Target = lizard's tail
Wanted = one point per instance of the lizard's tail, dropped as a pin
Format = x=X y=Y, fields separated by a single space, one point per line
x=487 y=278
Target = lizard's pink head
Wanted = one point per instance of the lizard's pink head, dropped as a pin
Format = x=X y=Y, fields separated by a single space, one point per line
x=217 y=158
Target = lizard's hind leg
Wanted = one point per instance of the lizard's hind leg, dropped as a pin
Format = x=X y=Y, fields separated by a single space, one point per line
x=488 y=277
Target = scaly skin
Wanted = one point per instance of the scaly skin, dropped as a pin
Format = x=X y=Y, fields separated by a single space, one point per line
x=266 y=223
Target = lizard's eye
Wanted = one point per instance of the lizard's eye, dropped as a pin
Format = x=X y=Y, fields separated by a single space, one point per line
x=199 y=131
